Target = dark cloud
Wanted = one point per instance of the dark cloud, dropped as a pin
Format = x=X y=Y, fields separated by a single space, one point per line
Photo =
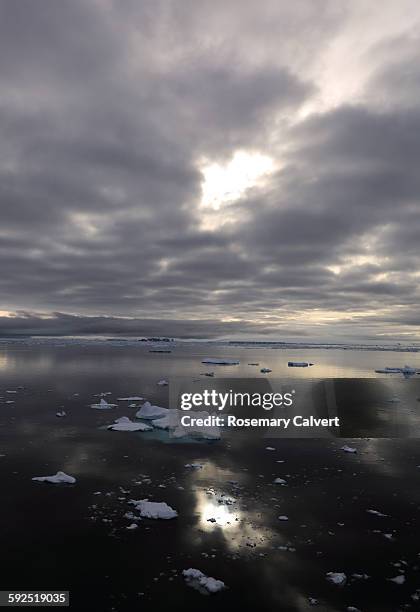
x=109 y=110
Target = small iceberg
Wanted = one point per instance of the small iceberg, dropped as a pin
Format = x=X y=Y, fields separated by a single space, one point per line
x=376 y=513
x=338 y=578
x=220 y=361
x=154 y=510
x=407 y=371
x=147 y=411
x=202 y=583
x=103 y=405
x=398 y=579
x=132 y=398
x=299 y=364
x=58 y=478
x=194 y=430
x=124 y=424
x=348 y=449
x=280 y=481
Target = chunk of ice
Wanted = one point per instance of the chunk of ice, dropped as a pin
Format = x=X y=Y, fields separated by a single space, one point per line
x=348 y=449
x=376 y=513
x=199 y=581
x=147 y=411
x=132 y=398
x=103 y=405
x=124 y=424
x=398 y=579
x=208 y=360
x=337 y=578
x=58 y=478
x=154 y=510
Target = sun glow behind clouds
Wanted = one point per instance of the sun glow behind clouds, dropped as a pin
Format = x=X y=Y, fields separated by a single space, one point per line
x=223 y=184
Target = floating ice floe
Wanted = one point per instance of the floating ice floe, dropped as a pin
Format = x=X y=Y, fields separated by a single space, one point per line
x=195 y=430
x=376 y=513
x=124 y=424
x=132 y=398
x=147 y=411
x=280 y=481
x=60 y=413
x=265 y=370
x=202 y=583
x=338 y=578
x=162 y=383
x=398 y=579
x=220 y=361
x=172 y=422
x=299 y=364
x=348 y=449
x=154 y=510
x=58 y=478
x=407 y=371
x=103 y=405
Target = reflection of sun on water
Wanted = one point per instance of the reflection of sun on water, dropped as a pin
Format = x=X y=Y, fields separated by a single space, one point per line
x=208 y=507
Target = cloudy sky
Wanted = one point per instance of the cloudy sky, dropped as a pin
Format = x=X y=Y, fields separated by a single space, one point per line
x=211 y=168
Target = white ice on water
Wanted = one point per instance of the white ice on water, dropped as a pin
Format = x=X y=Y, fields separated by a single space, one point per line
x=132 y=398
x=154 y=510
x=348 y=449
x=148 y=411
x=205 y=584
x=60 y=477
x=124 y=424
x=103 y=405
x=280 y=481
x=338 y=578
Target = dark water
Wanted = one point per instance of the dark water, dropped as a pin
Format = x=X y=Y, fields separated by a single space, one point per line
x=69 y=538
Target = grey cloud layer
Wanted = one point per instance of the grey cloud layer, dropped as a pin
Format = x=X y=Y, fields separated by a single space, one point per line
x=106 y=110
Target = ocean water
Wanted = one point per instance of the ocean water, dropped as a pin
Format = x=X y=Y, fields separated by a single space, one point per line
x=75 y=537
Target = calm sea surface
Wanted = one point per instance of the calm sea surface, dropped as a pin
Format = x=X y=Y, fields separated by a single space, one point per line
x=75 y=537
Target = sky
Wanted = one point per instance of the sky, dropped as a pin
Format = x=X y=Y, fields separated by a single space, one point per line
x=218 y=169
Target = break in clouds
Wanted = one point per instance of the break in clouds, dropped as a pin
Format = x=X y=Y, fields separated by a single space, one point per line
x=210 y=169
